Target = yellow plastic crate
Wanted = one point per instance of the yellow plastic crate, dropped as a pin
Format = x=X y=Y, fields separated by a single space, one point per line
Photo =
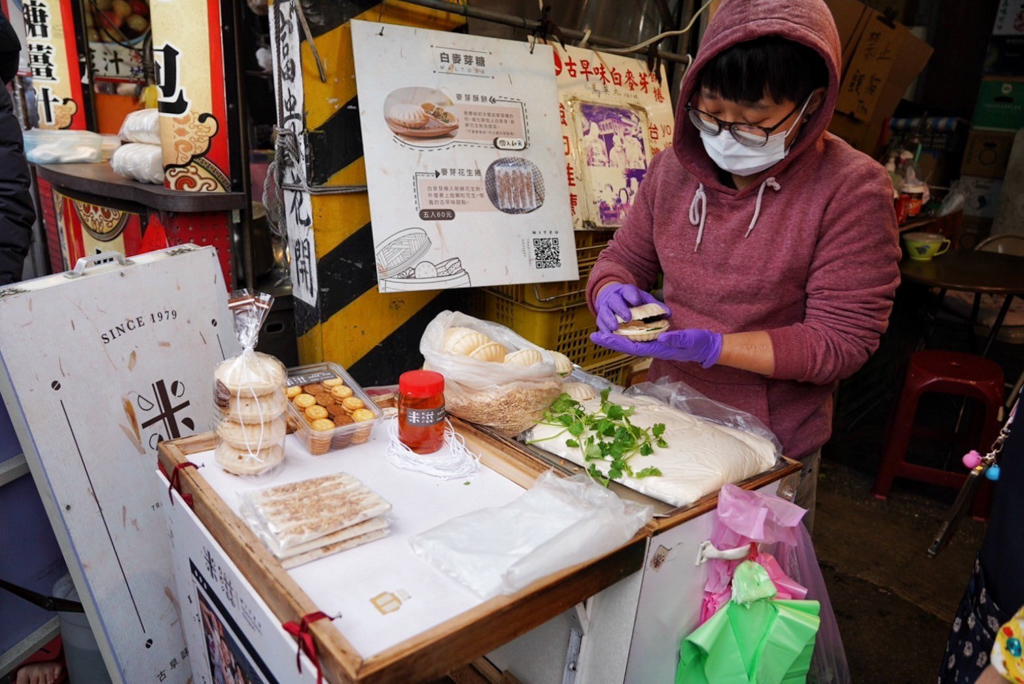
x=567 y=331
x=618 y=369
x=563 y=294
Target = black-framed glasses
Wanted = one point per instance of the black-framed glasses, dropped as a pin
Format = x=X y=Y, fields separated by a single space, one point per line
x=745 y=134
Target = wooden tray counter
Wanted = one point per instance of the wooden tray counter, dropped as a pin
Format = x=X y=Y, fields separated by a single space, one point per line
x=459 y=640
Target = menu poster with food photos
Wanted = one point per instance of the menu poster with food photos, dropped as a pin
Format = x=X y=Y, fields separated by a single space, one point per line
x=615 y=115
x=464 y=159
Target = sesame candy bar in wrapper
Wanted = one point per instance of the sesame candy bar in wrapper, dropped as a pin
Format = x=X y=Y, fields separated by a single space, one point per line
x=249 y=395
x=317 y=517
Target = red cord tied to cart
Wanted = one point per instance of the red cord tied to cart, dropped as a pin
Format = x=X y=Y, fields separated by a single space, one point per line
x=305 y=640
x=176 y=482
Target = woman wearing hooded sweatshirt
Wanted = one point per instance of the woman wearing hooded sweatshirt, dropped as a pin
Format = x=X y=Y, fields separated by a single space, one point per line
x=778 y=241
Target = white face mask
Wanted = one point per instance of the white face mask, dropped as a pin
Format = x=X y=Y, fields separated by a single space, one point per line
x=742 y=160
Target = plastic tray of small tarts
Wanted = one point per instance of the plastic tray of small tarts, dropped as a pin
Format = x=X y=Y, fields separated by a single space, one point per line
x=351 y=412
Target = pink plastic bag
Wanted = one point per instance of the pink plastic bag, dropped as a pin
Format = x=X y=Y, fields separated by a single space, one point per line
x=783 y=547
x=744 y=517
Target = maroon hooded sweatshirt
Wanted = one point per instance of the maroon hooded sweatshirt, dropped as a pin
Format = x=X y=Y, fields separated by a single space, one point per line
x=808 y=252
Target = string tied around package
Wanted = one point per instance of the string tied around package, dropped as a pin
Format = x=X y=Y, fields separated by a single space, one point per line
x=453 y=461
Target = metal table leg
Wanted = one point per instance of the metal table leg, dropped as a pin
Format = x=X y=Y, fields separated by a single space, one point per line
x=997 y=324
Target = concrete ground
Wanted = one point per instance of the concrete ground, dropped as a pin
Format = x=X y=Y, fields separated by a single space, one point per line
x=893 y=604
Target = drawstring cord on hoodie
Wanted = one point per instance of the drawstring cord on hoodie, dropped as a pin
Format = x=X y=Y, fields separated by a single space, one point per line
x=770 y=183
x=699 y=208
x=698 y=212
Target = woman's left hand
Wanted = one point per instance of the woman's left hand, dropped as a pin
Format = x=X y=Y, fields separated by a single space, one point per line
x=700 y=346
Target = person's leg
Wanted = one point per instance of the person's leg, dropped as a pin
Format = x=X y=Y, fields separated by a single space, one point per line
x=978 y=619
x=802 y=488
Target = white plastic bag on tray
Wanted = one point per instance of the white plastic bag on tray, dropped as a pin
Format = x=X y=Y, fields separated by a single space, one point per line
x=142 y=126
x=144 y=163
x=505 y=396
x=558 y=523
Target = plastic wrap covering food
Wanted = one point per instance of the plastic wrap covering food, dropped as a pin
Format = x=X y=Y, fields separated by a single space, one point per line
x=310 y=519
x=493 y=377
x=249 y=395
x=62 y=147
x=143 y=163
x=142 y=126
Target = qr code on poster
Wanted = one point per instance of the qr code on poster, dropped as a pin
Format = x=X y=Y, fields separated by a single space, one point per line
x=545 y=253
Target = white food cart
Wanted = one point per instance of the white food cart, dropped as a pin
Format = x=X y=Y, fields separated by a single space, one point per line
x=390 y=616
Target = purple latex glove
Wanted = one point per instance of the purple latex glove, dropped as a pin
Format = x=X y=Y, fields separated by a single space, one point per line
x=616 y=299
x=700 y=346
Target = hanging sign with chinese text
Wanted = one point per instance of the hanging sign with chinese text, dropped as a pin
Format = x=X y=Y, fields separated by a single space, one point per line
x=53 y=62
x=464 y=159
x=296 y=204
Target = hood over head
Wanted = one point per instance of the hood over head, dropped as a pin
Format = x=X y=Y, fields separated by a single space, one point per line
x=808 y=22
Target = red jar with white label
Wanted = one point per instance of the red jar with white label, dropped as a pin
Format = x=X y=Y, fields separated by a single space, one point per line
x=421 y=411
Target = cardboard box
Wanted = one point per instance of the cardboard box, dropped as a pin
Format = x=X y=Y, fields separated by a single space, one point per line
x=987 y=154
x=880 y=61
x=850 y=17
x=983 y=196
x=1000 y=104
x=1004 y=56
x=897 y=9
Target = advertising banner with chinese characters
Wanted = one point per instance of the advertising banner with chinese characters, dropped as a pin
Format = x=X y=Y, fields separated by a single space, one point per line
x=232 y=634
x=190 y=79
x=53 y=62
x=125 y=361
x=615 y=114
x=464 y=160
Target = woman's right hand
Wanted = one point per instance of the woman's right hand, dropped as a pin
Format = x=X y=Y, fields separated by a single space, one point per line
x=615 y=300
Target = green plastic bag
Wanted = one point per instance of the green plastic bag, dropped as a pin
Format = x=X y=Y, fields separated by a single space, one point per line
x=754 y=638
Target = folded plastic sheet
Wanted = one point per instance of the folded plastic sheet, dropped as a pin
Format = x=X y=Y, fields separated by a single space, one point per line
x=558 y=523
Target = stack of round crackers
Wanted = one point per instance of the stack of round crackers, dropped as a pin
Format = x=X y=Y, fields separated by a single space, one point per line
x=249 y=396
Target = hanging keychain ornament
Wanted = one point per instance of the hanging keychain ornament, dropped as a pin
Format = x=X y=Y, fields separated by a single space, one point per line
x=980 y=466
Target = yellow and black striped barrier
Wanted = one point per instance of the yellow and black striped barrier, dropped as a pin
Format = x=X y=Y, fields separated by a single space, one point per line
x=376 y=336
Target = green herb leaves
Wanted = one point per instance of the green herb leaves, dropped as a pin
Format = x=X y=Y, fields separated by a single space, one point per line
x=606 y=436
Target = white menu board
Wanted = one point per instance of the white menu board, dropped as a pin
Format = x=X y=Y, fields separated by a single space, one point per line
x=464 y=156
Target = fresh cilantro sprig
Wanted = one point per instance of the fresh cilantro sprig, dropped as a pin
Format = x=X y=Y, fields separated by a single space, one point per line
x=604 y=435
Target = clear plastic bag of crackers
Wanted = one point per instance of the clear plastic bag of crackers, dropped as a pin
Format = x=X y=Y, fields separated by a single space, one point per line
x=249 y=395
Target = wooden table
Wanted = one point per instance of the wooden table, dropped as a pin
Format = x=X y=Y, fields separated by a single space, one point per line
x=971 y=271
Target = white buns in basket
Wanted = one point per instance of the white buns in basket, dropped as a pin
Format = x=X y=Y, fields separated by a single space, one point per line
x=476 y=345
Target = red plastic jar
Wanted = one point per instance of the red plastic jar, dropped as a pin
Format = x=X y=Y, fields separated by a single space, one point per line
x=421 y=411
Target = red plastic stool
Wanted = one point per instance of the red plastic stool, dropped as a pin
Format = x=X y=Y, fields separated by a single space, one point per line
x=944 y=372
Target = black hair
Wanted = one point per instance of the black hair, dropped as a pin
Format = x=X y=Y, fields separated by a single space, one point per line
x=768 y=66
